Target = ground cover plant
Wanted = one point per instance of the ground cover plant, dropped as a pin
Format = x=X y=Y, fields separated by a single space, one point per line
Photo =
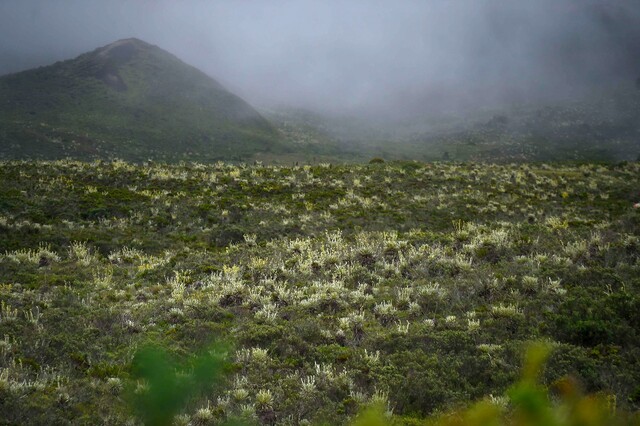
x=412 y=286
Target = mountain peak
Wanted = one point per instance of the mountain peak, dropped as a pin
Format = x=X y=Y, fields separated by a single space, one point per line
x=128 y=99
x=121 y=51
x=130 y=40
x=106 y=62
x=125 y=47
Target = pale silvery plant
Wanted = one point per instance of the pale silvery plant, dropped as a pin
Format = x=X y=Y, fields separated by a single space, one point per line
x=556 y=223
x=561 y=261
x=597 y=240
x=500 y=400
x=345 y=270
x=6 y=346
x=250 y=239
x=181 y=420
x=125 y=254
x=491 y=350
x=506 y=310
x=224 y=403
x=327 y=334
x=403 y=295
x=575 y=249
x=371 y=357
x=33 y=315
x=103 y=277
x=243 y=356
x=402 y=328
x=432 y=290
x=176 y=312
x=414 y=308
x=7 y=313
x=391 y=268
x=268 y=312
x=308 y=384
x=203 y=416
x=356 y=319
x=324 y=371
x=344 y=323
x=540 y=258
x=310 y=301
x=81 y=253
x=384 y=309
x=344 y=380
x=177 y=286
x=282 y=292
x=264 y=399
x=381 y=399
x=326 y=216
x=553 y=286
x=258 y=263
x=240 y=381
x=358 y=396
x=114 y=385
x=473 y=324
x=260 y=355
x=359 y=296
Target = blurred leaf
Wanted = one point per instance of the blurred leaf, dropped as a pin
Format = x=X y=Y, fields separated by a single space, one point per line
x=536 y=355
x=167 y=386
x=372 y=416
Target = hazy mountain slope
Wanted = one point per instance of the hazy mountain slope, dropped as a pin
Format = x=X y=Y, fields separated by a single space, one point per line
x=130 y=100
x=604 y=126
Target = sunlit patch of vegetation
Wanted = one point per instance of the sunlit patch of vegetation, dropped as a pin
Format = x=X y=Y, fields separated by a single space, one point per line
x=408 y=284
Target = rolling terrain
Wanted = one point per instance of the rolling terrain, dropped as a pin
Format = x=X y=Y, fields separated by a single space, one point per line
x=409 y=285
x=601 y=127
x=134 y=101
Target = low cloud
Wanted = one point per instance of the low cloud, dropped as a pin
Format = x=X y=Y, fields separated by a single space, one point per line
x=395 y=58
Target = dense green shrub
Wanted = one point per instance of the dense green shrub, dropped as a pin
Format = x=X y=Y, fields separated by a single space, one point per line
x=337 y=283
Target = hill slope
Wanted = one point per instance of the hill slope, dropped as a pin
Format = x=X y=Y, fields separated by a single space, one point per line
x=604 y=126
x=130 y=100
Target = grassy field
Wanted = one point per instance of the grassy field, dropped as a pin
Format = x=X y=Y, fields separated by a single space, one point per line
x=416 y=286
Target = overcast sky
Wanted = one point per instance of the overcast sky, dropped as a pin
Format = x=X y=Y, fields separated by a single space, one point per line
x=350 y=55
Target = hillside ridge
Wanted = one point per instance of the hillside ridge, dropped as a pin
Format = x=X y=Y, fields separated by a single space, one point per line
x=128 y=99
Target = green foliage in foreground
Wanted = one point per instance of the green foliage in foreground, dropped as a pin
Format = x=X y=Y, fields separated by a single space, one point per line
x=163 y=388
x=526 y=403
x=412 y=285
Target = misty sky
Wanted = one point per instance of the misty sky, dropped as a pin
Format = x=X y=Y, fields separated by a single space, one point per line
x=349 y=55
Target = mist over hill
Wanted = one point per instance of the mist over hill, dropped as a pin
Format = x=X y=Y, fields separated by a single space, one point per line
x=135 y=101
x=338 y=81
x=378 y=58
x=603 y=126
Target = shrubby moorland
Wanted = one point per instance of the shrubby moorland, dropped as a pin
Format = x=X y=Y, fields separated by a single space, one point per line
x=413 y=286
